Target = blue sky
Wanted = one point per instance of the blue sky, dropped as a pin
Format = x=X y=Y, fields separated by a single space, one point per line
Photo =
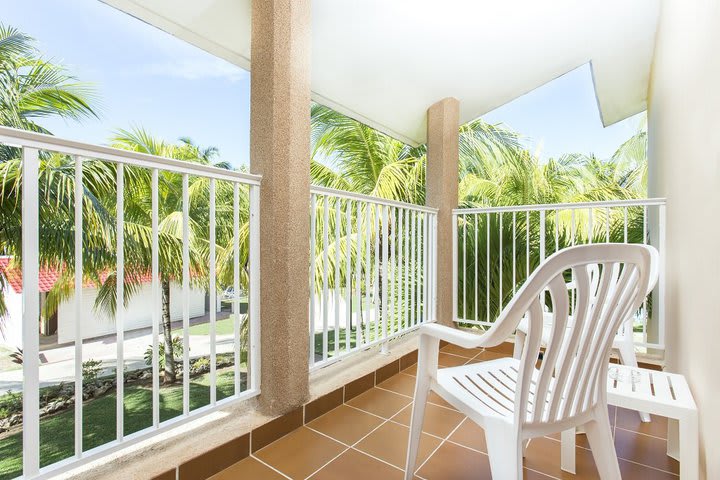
x=148 y=78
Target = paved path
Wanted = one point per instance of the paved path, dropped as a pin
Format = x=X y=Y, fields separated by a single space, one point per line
x=58 y=363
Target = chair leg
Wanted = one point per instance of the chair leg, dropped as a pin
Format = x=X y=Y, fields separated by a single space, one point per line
x=602 y=445
x=422 y=389
x=518 y=346
x=505 y=452
x=626 y=352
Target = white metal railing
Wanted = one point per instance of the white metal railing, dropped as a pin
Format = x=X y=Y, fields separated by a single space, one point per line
x=496 y=248
x=31 y=148
x=372 y=271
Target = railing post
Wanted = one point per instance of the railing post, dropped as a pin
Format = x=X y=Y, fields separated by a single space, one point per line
x=443 y=123
x=31 y=313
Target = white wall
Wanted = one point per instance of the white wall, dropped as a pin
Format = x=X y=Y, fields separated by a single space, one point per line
x=11 y=331
x=684 y=155
x=138 y=312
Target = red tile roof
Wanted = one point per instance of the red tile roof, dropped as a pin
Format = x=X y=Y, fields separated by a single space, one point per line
x=47 y=278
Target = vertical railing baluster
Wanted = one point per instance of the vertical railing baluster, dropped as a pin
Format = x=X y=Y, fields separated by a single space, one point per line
x=514 y=265
x=408 y=272
x=254 y=290
x=186 y=291
x=399 y=276
x=464 y=269
x=500 y=262
x=392 y=231
x=325 y=297
x=368 y=272
x=348 y=276
x=426 y=267
x=156 y=302
x=313 y=232
x=78 y=305
x=236 y=286
x=625 y=223
x=557 y=230
x=337 y=283
x=542 y=235
x=645 y=310
x=120 y=303
x=358 y=274
x=31 y=313
x=527 y=244
x=476 y=280
x=384 y=295
x=418 y=270
x=376 y=281
x=213 y=295
x=487 y=268
x=607 y=224
x=413 y=267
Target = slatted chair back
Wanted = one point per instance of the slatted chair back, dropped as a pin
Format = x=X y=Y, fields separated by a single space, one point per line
x=571 y=377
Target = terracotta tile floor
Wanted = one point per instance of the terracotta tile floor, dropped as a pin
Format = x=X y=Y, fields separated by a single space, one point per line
x=366 y=438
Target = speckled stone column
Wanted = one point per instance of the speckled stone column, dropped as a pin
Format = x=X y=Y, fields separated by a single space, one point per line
x=280 y=152
x=443 y=120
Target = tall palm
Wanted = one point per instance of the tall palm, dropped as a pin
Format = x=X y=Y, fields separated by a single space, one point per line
x=33 y=88
x=138 y=210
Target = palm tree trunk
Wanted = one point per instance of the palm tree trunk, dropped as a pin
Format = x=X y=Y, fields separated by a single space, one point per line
x=169 y=373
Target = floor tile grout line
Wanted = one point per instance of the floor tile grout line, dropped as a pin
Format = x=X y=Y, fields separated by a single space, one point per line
x=377 y=458
x=327 y=463
x=413 y=399
x=439 y=445
x=640 y=433
x=252 y=455
x=648 y=466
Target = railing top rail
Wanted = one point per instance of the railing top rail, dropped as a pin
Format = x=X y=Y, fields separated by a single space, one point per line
x=562 y=206
x=40 y=141
x=316 y=189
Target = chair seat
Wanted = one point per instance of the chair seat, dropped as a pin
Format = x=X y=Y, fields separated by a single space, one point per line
x=487 y=389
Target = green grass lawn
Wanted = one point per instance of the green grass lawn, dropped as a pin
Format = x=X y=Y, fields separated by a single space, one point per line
x=222 y=327
x=56 y=432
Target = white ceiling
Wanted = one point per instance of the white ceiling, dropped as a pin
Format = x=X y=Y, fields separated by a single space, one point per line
x=384 y=62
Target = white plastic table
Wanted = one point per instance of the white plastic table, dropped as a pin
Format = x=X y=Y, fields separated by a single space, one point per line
x=658 y=393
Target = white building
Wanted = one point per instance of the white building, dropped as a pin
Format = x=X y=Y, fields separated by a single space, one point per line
x=138 y=313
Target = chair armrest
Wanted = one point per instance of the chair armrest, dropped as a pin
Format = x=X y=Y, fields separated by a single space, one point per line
x=459 y=337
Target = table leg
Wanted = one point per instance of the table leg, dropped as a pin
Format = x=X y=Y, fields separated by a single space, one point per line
x=567 y=451
x=689 y=447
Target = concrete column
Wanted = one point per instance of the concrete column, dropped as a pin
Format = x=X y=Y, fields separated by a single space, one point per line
x=280 y=152
x=443 y=124
x=684 y=166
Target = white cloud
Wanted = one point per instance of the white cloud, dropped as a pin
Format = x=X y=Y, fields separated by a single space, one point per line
x=196 y=68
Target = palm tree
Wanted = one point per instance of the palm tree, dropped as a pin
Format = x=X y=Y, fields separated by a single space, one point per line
x=33 y=88
x=138 y=232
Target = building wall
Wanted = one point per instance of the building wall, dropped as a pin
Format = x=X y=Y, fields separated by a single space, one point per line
x=137 y=313
x=11 y=326
x=684 y=156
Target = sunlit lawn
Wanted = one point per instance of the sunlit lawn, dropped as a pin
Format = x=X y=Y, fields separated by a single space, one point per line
x=56 y=432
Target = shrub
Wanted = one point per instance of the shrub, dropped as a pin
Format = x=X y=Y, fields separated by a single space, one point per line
x=177 y=347
x=90 y=370
x=10 y=403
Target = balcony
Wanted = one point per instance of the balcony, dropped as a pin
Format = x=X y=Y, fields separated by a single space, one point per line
x=254 y=325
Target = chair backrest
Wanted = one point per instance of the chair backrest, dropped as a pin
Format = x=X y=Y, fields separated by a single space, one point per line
x=626 y=327
x=571 y=378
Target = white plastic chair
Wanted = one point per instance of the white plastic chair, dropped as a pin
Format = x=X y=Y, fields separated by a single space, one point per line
x=512 y=399
x=623 y=343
